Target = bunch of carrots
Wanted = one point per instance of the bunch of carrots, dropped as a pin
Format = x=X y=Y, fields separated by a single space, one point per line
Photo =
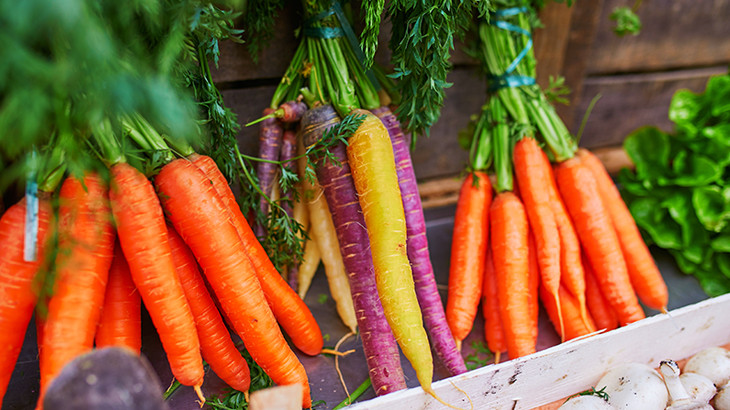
x=119 y=239
x=363 y=215
x=549 y=227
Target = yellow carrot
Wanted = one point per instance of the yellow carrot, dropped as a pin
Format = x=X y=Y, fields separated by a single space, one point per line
x=371 y=159
x=308 y=266
x=322 y=230
x=321 y=225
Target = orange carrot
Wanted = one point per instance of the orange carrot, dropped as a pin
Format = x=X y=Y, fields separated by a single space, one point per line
x=86 y=249
x=18 y=293
x=534 y=283
x=534 y=178
x=601 y=312
x=288 y=308
x=571 y=265
x=143 y=238
x=579 y=190
x=645 y=276
x=468 y=250
x=509 y=231
x=215 y=340
x=120 y=323
x=203 y=220
x=573 y=323
x=493 y=330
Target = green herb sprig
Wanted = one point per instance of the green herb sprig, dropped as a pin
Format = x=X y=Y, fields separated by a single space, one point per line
x=421 y=41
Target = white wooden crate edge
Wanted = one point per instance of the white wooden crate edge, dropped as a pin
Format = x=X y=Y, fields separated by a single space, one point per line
x=562 y=370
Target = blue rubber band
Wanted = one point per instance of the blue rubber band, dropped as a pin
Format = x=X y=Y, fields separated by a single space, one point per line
x=507 y=79
x=345 y=30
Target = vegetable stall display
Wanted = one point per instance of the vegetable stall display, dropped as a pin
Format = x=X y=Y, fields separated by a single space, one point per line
x=125 y=211
x=105 y=157
x=577 y=220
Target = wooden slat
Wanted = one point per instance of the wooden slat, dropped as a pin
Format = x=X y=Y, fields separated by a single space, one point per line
x=630 y=101
x=236 y=64
x=584 y=19
x=435 y=156
x=675 y=34
x=559 y=371
x=551 y=40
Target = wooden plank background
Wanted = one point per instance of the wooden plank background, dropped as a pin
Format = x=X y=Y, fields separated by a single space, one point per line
x=681 y=44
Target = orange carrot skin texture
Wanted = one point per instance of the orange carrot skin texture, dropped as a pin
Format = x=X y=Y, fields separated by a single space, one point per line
x=643 y=271
x=289 y=309
x=18 y=293
x=493 y=330
x=120 y=323
x=143 y=237
x=599 y=308
x=509 y=231
x=215 y=340
x=468 y=250
x=573 y=323
x=202 y=219
x=86 y=250
x=372 y=163
x=534 y=179
x=533 y=283
x=572 y=275
x=579 y=190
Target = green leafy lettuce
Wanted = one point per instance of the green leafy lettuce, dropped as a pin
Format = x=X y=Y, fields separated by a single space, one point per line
x=679 y=191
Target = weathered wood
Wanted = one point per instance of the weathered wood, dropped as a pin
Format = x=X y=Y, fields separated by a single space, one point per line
x=630 y=101
x=559 y=371
x=675 y=34
x=236 y=63
x=437 y=155
x=551 y=40
x=582 y=33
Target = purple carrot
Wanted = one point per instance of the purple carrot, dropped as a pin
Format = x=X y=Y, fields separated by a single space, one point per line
x=291 y=111
x=270 y=135
x=379 y=345
x=288 y=152
x=432 y=308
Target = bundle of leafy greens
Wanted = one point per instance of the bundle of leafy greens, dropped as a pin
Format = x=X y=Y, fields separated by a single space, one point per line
x=421 y=42
x=679 y=192
x=68 y=65
x=516 y=104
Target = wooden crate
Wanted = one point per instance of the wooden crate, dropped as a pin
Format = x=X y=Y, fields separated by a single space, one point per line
x=565 y=369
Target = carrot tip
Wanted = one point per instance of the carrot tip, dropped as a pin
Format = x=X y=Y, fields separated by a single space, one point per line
x=199 y=392
x=336 y=352
x=432 y=393
x=664 y=310
x=497 y=356
x=458 y=345
x=561 y=325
